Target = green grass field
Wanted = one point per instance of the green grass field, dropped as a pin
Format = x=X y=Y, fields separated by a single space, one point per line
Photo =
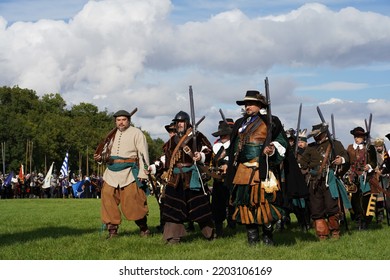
x=70 y=229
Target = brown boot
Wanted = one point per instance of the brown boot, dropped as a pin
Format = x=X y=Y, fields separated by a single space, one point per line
x=143 y=227
x=334 y=226
x=112 y=231
x=144 y=233
x=322 y=229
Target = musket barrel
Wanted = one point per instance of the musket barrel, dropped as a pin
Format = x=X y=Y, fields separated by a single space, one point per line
x=222 y=115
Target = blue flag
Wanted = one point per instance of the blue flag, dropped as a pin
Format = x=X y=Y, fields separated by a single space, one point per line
x=65 y=167
x=78 y=189
x=8 y=179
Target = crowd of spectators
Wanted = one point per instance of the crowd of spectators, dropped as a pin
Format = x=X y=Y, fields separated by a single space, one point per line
x=32 y=186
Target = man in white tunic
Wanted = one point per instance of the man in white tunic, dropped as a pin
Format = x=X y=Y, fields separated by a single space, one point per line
x=122 y=190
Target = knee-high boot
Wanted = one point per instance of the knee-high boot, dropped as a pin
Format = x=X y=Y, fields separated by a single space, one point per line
x=252 y=231
x=322 y=229
x=267 y=235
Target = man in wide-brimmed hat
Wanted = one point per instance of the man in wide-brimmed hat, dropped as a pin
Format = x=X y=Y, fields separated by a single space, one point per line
x=362 y=164
x=323 y=167
x=251 y=163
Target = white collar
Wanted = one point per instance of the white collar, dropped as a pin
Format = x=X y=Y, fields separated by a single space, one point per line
x=360 y=146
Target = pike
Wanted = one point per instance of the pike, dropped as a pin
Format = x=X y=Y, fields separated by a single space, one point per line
x=223 y=115
x=333 y=157
x=194 y=132
x=192 y=108
x=268 y=139
x=298 y=128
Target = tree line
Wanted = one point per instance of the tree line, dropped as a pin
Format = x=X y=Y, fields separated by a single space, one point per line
x=36 y=131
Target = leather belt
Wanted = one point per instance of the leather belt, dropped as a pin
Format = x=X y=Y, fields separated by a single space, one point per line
x=181 y=165
x=127 y=160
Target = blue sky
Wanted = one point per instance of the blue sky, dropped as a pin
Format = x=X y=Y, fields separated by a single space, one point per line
x=333 y=54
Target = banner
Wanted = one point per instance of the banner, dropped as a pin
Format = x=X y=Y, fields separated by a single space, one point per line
x=49 y=174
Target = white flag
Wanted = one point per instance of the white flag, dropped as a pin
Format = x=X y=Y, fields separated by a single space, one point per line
x=46 y=183
x=64 y=167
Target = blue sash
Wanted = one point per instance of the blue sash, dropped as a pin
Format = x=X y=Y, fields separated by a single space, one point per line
x=195 y=180
x=334 y=184
x=124 y=165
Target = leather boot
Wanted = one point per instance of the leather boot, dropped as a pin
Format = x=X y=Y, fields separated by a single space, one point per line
x=190 y=226
x=219 y=229
x=252 y=231
x=207 y=229
x=143 y=227
x=230 y=222
x=334 y=226
x=267 y=235
x=112 y=231
x=322 y=229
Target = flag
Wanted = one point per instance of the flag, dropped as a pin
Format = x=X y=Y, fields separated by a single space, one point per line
x=21 y=173
x=8 y=179
x=65 y=167
x=46 y=182
x=78 y=188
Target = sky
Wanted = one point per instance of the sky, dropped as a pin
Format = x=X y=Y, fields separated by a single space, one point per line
x=126 y=54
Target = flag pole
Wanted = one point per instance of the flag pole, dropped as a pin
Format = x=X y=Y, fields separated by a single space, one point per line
x=31 y=152
x=3 y=156
x=87 y=165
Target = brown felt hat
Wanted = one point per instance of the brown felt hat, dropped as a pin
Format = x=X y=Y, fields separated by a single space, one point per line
x=358 y=131
x=253 y=95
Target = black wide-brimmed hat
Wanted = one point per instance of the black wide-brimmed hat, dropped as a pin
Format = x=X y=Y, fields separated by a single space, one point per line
x=318 y=129
x=223 y=129
x=122 y=113
x=229 y=121
x=253 y=95
x=358 y=131
x=170 y=127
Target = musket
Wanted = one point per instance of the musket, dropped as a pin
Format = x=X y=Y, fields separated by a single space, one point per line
x=333 y=127
x=297 y=131
x=192 y=107
x=327 y=133
x=333 y=157
x=194 y=132
x=223 y=115
x=268 y=139
x=368 y=129
x=150 y=178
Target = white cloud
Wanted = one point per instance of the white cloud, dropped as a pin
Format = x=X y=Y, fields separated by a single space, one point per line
x=119 y=53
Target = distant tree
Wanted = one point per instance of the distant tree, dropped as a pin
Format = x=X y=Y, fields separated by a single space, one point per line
x=52 y=130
